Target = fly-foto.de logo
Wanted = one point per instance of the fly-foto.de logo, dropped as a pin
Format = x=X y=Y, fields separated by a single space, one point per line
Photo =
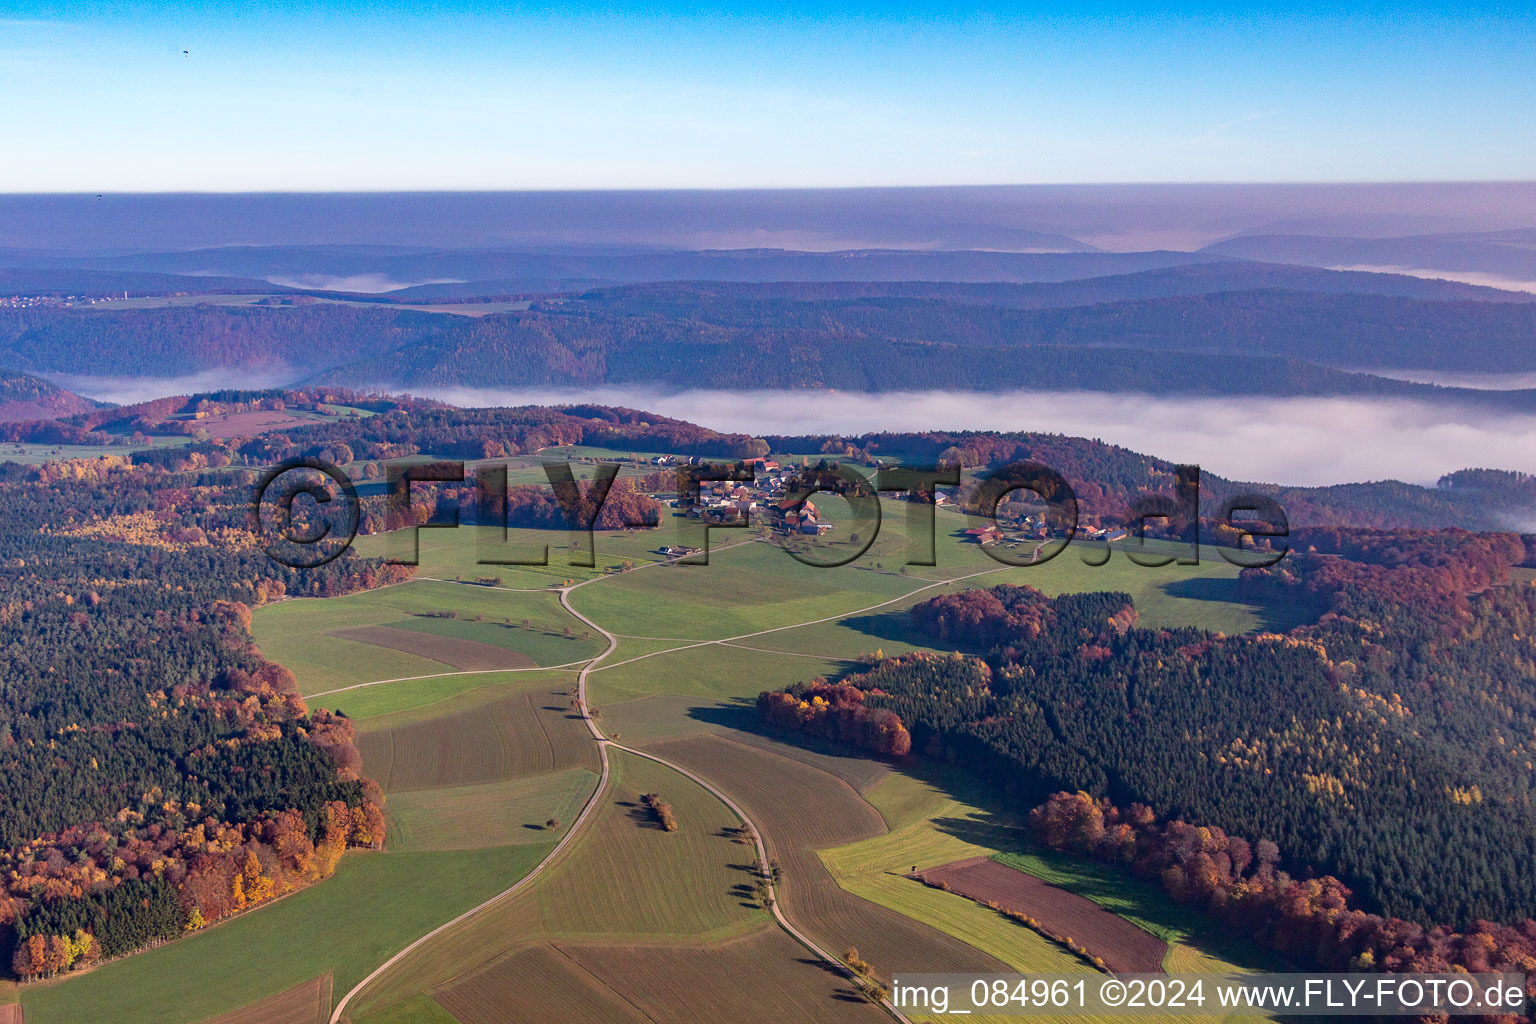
x=307 y=512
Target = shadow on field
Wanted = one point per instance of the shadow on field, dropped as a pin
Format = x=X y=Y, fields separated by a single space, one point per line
x=740 y=714
x=994 y=823
x=896 y=626
x=640 y=815
x=1274 y=617
x=988 y=829
x=739 y=721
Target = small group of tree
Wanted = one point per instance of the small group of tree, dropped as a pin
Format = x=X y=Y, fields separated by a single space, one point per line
x=870 y=987
x=43 y=956
x=765 y=877
x=660 y=810
x=835 y=712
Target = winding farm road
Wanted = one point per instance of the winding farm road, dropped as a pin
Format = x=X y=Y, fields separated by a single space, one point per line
x=753 y=830
x=603 y=745
x=517 y=886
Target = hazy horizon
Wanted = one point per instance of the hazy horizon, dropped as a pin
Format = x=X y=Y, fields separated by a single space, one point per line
x=1019 y=218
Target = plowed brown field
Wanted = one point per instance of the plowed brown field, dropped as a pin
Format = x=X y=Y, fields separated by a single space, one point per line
x=762 y=978
x=466 y=655
x=309 y=1003
x=523 y=734
x=1123 y=946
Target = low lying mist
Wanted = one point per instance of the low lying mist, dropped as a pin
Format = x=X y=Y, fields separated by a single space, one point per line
x=1302 y=441
x=1476 y=277
x=1516 y=381
x=132 y=390
x=371 y=284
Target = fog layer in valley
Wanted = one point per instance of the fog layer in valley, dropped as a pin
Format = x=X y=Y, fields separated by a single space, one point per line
x=1303 y=441
x=1464 y=276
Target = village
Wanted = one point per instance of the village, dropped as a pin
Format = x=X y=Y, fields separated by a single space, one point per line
x=768 y=500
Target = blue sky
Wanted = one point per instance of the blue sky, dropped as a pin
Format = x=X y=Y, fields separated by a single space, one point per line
x=454 y=96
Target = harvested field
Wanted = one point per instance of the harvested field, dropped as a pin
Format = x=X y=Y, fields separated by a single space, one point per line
x=466 y=655
x=565 y=992
x=802 y=809
x=860 y=771
x=631 y=879
x=10 y=1013
x=628 y=882
x=545 y=646
x=506 y=813
x=309 y=1003
x=670 y=716
x=764 y=977
x=522 y=734
x=241 y=424
x=1123 y=946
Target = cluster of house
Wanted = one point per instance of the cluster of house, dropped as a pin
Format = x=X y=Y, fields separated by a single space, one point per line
x=1033 y=528
x=34 y=301
x=764 y=499
x=31 y=301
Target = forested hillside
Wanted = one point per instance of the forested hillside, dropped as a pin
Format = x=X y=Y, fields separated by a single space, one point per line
x=165 y=342
x=759 y=302
x=23 y=397
x=155 y=773
x=1257 y=341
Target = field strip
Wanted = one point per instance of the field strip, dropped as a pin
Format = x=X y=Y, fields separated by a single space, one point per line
x=443 y=675
x=729 y=641
x=516 y=887
x=669 y=639
x=787 y=654
x=488 y=586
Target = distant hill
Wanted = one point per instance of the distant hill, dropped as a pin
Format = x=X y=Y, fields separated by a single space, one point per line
x=1168 y=282
x=511 y=352
x=1246 y=342
x=1086 y=276
x=24 y=397
x=416 y=273
x=115 y=283
x=1492 y=257
x=1344 y=330
x=171 y=341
